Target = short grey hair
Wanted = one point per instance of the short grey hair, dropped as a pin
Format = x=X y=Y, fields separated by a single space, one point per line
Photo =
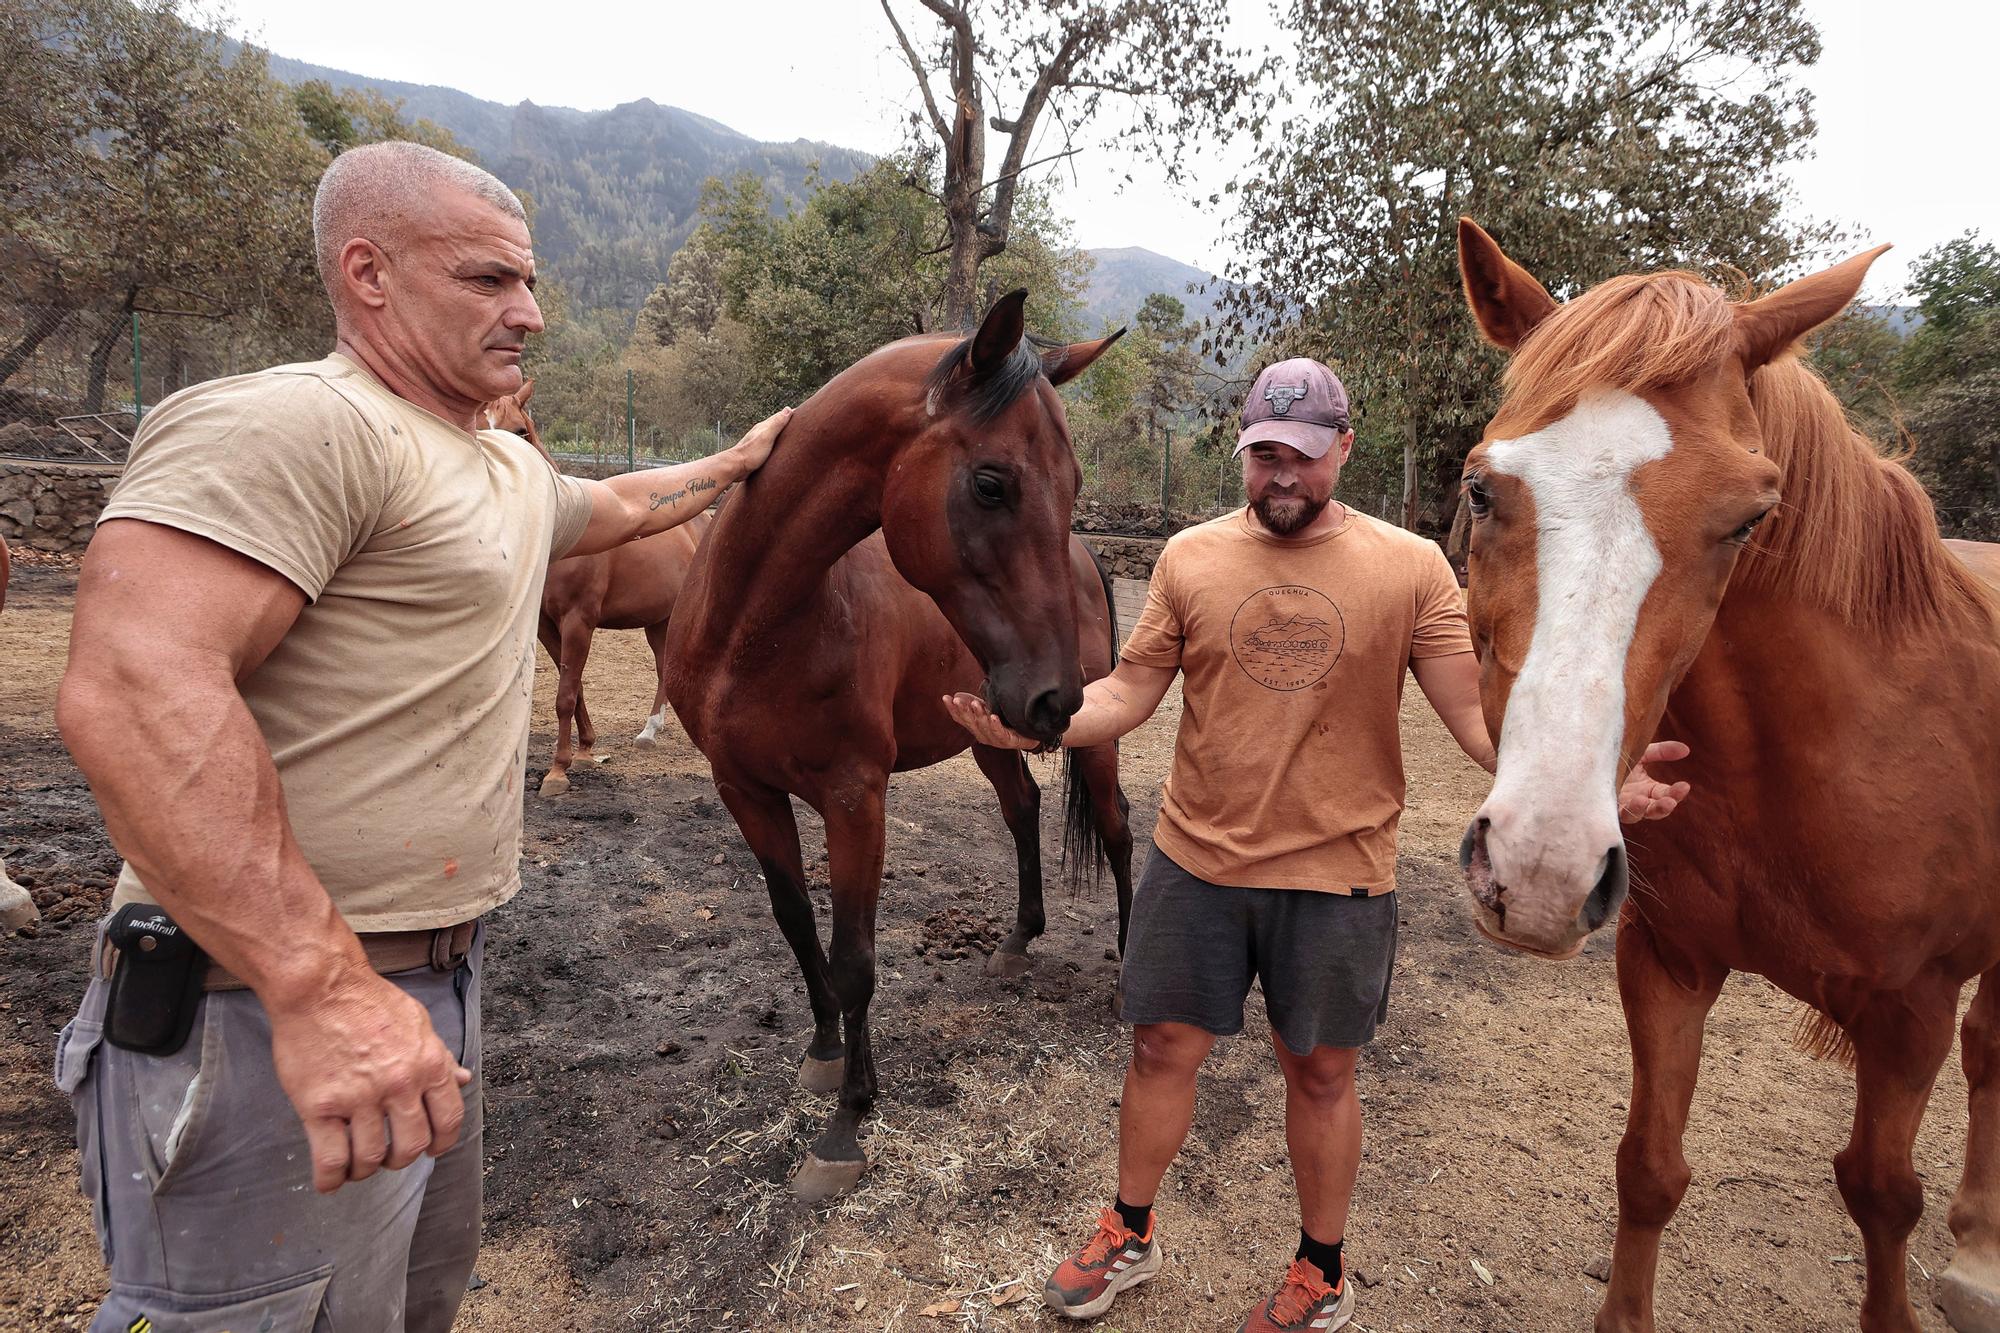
x=378 y=190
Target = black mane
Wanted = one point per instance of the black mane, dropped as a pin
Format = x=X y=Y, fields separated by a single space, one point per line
x=985 y=396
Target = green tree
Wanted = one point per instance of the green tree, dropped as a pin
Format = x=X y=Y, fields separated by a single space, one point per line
x=1957 y=286
x=857 y=266
x=338 y=119
x=1950 y=375
x=174 y=182
x=1592 y=137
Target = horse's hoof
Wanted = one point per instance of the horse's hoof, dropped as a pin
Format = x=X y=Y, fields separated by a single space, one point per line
x=1968 y=1306
x=644 y=740
x=586 y=757
x=822 y=1076
x=819 y=1180
x=555 y=784
x=1004 y=964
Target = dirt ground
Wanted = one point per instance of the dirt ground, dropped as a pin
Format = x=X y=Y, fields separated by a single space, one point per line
x=644 y=1022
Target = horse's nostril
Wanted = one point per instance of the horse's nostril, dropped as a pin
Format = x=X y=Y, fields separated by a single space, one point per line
x=1609 y=893
x=1047 y=713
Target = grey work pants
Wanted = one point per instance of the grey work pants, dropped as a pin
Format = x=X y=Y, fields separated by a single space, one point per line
x=200 y=1183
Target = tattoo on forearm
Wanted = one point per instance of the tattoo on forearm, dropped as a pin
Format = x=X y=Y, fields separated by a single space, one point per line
x=698 y=486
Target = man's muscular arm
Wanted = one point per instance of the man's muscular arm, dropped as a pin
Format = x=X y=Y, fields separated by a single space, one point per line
x=1112 y=706
x=166 y=625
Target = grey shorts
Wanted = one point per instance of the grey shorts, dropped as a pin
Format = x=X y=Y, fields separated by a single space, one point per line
x=1323 y=959
x=200 y=1182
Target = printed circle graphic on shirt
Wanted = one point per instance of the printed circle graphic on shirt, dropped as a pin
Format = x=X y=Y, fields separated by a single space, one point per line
x=1287 y=637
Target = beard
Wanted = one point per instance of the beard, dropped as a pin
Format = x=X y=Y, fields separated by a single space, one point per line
x=1287 y=514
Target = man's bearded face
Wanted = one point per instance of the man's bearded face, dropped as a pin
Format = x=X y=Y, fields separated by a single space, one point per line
x=1287 y=490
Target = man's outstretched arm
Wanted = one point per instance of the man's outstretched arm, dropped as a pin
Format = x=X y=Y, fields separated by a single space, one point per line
x=1112 y=706
x=639 y=504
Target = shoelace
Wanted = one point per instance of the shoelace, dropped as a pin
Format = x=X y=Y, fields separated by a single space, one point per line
x=1303 y=1289
x=1111 y=1234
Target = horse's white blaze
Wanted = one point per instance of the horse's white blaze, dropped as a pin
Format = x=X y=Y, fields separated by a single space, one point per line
x=1595 y=561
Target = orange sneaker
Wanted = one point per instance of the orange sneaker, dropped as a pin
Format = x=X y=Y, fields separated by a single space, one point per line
x=1084 y=1285
x=1304 y=1304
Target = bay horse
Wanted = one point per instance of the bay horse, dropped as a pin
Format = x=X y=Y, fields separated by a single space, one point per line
x=633 y=586
x=908 y=538
x=1676 y=534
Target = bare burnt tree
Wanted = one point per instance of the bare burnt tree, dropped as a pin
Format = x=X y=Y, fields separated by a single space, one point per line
x=1049 y=65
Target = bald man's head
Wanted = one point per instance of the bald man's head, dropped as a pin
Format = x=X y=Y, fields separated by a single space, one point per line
x=431 y=271
x=385 y=191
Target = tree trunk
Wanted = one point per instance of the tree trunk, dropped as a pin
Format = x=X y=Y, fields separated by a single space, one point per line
x=1410 y=443
x=962 y=279
x=100 y=366
x=37 y=334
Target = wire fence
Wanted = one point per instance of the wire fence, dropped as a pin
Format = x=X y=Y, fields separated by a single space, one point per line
x=74 y=385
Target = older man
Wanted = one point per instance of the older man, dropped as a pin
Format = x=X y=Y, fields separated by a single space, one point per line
x=299 y=684
x=1293 y=622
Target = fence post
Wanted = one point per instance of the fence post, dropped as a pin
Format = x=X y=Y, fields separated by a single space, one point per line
x=138 y=399
x=631 y=429
x=1166 y=476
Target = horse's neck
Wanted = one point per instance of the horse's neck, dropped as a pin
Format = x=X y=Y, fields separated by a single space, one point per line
x=780 y=536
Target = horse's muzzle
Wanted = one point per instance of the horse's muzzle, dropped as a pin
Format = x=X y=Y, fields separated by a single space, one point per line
x=1525 y=911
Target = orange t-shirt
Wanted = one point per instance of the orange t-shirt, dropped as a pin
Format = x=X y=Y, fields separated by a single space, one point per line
x=1288 y=770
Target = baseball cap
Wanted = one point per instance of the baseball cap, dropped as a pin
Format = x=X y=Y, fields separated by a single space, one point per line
x=1297 y=402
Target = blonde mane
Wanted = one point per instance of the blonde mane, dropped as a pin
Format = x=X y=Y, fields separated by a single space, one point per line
x=1856 y=534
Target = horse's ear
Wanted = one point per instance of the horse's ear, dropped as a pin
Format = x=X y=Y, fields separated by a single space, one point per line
x=1506 y=300
x=1000 y=332
x=1768 y=325
x=1063 y=364
x=525 y=392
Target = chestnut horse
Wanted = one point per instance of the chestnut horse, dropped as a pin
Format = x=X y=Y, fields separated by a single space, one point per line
x=633 y=586
x=1676 y=534
x=908 y=538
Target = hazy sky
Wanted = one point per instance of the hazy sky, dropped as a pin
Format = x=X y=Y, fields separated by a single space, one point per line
x=1903 y=101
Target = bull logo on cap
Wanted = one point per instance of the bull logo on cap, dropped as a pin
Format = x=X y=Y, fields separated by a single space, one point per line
x=1282 y=396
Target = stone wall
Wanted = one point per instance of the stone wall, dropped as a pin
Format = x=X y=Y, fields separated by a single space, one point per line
x=52 y=506
x=1126 y=557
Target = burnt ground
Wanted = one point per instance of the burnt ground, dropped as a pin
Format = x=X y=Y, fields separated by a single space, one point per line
x=644 y=1020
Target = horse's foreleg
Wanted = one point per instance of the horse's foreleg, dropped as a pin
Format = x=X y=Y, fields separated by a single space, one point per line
x=1111 y=813
x=765 y=819
x=1970 y=1288
x=854 y=839
x=572 y=650
x=1899 y=1043
x=1021 y=808
x=1664 y=1021
x=656 y=639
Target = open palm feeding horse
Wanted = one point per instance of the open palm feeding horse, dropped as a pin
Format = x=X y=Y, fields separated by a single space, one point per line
x=908 y=538
x=633 y=586
x=1677 y=535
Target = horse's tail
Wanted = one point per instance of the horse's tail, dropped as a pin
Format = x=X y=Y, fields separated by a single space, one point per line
x=1822 y=1038
x=1083 y=846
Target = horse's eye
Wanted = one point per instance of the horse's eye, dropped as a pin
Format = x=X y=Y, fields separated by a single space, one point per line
x=1748 y=530
x=1478 y=498
x=990 y=489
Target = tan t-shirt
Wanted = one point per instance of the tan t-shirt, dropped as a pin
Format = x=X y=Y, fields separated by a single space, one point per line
x=397 y=704
x=1288 y=770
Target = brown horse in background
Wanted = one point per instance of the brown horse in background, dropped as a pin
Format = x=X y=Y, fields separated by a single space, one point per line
x=1676 y=535
x=909 y=538
x=633 y=586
